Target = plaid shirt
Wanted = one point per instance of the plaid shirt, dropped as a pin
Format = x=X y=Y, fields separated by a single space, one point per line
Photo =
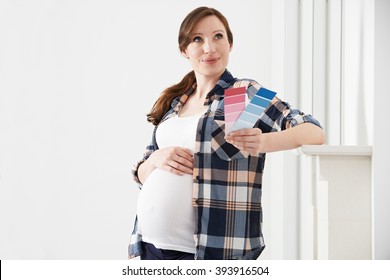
x=227 y=183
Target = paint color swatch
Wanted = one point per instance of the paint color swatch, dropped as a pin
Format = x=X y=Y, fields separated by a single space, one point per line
x=234 y=105
x=253 y=110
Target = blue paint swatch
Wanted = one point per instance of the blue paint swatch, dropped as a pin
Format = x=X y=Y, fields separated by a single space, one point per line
x=254 y=109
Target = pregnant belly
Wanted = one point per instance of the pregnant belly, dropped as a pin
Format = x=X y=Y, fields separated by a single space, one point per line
x=165 y=205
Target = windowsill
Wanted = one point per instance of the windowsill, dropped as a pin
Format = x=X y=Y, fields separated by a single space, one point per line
x=335 y=150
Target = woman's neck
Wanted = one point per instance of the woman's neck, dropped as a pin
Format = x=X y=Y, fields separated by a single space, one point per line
x=204 y=84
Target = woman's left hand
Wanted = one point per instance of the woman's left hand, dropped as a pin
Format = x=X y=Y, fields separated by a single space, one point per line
x=250 y=140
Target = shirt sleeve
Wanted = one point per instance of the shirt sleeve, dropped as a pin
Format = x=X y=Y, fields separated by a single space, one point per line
x=280 y=116
x=148 y=151
x=294 y=117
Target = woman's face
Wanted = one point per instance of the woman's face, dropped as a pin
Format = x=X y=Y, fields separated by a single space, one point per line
x=209 y=49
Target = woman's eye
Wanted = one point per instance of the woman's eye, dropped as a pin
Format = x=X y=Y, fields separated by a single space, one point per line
x=218 y=36
x=197 y=39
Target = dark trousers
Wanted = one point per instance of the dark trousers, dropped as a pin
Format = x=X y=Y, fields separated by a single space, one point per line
x=152 y=253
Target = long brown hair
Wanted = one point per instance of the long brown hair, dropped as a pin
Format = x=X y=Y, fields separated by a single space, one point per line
x=162 y=105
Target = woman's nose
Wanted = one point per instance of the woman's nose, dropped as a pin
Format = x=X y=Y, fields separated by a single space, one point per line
x=208 y=46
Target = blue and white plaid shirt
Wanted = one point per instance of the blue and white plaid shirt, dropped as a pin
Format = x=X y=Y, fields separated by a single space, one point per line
x=227 y=183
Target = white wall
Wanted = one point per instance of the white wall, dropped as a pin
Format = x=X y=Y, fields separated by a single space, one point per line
x=357 y=72
x=78 y=77
x=381 y=151
x=76 y=80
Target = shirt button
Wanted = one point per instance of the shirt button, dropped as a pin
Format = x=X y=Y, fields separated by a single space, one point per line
x=197 y=178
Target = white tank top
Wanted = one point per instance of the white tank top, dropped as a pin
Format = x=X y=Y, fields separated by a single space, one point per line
x=165 y=213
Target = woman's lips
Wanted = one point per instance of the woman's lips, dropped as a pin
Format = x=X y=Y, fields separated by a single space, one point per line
x=211 y=60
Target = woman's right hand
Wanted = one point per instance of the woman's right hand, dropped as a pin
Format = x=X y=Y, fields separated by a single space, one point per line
x=176 y=160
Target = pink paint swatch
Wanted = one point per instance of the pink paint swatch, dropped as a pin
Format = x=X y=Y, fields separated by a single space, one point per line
x=234 y=105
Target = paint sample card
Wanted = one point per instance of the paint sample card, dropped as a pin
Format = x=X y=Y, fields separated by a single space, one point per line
x=234 y=105
x=254 y=109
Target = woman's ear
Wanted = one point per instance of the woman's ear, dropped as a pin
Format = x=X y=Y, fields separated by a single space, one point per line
x=184 y=53
x=231 y=47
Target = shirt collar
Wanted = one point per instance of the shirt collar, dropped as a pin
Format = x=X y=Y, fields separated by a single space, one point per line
x=218 y=91
x=178 y=102
x=225 y=81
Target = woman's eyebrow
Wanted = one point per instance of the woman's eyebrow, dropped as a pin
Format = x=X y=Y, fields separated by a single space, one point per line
x=200 y=33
